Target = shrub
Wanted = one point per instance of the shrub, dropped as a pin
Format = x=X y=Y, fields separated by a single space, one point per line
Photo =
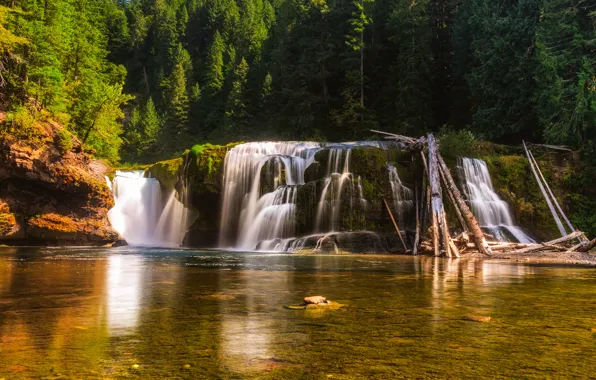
x=22 y=124
x=63 y=141
x=454 y=143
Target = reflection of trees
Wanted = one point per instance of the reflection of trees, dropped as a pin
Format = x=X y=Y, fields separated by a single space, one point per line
x=51 y=311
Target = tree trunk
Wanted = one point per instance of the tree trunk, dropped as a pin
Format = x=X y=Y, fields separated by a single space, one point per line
x=417 y=206
x=471 y=221
x=546 y=197
x=452 y=200
x=436 y=198
x=395 y=225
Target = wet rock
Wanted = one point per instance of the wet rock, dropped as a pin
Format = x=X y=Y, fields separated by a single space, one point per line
x=316 y=307
x=477 y=318
x=315 y=300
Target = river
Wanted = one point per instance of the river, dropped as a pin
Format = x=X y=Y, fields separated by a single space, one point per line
x=154 y=313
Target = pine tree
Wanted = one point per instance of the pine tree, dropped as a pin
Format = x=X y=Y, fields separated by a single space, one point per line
x=237 y=119
x=176 y=125
x=151 y=126
x=215 y=64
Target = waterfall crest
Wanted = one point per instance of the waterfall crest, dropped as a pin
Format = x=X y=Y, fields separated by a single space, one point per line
x=140 y=214
x=492 y=212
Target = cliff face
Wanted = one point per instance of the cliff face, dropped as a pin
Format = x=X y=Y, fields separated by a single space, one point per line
x=52 y=196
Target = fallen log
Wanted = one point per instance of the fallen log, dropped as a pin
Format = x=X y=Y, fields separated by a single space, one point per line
x=563 y=148
x=503 y=246
x=471 y=221
x=586 y=246
x=553 y=244
x=393 y=136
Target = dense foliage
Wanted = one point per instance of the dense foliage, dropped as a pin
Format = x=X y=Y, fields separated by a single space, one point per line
x=223 y=70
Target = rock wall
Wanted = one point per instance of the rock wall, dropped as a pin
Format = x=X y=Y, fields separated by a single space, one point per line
x=197 y=177
x=52 y=197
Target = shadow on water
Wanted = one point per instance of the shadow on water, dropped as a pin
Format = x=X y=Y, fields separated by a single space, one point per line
x=154 y=313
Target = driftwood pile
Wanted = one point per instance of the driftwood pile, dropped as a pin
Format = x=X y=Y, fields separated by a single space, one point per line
x=438 y=182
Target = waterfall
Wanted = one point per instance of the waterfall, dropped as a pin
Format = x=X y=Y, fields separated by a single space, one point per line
x=262 y=185
x=492 y=212
x=329 y=207
x=402 y=197
x=140 y=214
x=248 y=215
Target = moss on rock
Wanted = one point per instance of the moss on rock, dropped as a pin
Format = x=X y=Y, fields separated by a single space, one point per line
x=166 y=172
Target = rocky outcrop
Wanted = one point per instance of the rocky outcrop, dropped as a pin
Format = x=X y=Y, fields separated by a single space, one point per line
x=49 y=196
x=197 y=177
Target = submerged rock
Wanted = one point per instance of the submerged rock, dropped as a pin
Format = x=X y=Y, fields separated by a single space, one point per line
x=477 y=318
x=316 y=303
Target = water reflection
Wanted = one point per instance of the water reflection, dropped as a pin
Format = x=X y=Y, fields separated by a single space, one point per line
x=246 y=327
x=193 y=314
x=124 y=281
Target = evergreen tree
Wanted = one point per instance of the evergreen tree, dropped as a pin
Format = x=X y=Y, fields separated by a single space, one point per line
x=237 y=118
x=151 y=127
x=176 y=125
x=566 y=76
x=501 y=81
x=215 y=64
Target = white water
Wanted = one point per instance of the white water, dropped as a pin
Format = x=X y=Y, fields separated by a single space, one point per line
x=248 y=217
x=140 y=214
x=492 y=212
x=261 y=185
x=402 y=197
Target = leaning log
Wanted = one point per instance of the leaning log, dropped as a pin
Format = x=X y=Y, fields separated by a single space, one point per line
x=395 y=225
x=544 y=194
x=435 y=194
x=417 y=206
x=554 y=199
x=471 y=221
x=452 y=200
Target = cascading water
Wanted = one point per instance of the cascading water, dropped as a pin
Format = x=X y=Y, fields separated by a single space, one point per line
x=140 y=214
x=403 y=198
x=492 y=212
x=247 y=215
x=262 y=183
x=336 y=184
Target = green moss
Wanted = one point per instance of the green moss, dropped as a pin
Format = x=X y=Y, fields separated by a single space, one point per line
x=204 y=170
x=166 y=172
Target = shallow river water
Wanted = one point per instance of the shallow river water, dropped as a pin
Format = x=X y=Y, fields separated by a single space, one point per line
x=148 y=313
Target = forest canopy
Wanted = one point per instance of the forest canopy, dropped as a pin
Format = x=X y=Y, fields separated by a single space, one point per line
x=141 y=80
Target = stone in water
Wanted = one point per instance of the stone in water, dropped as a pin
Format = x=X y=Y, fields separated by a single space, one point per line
x=315 y=300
